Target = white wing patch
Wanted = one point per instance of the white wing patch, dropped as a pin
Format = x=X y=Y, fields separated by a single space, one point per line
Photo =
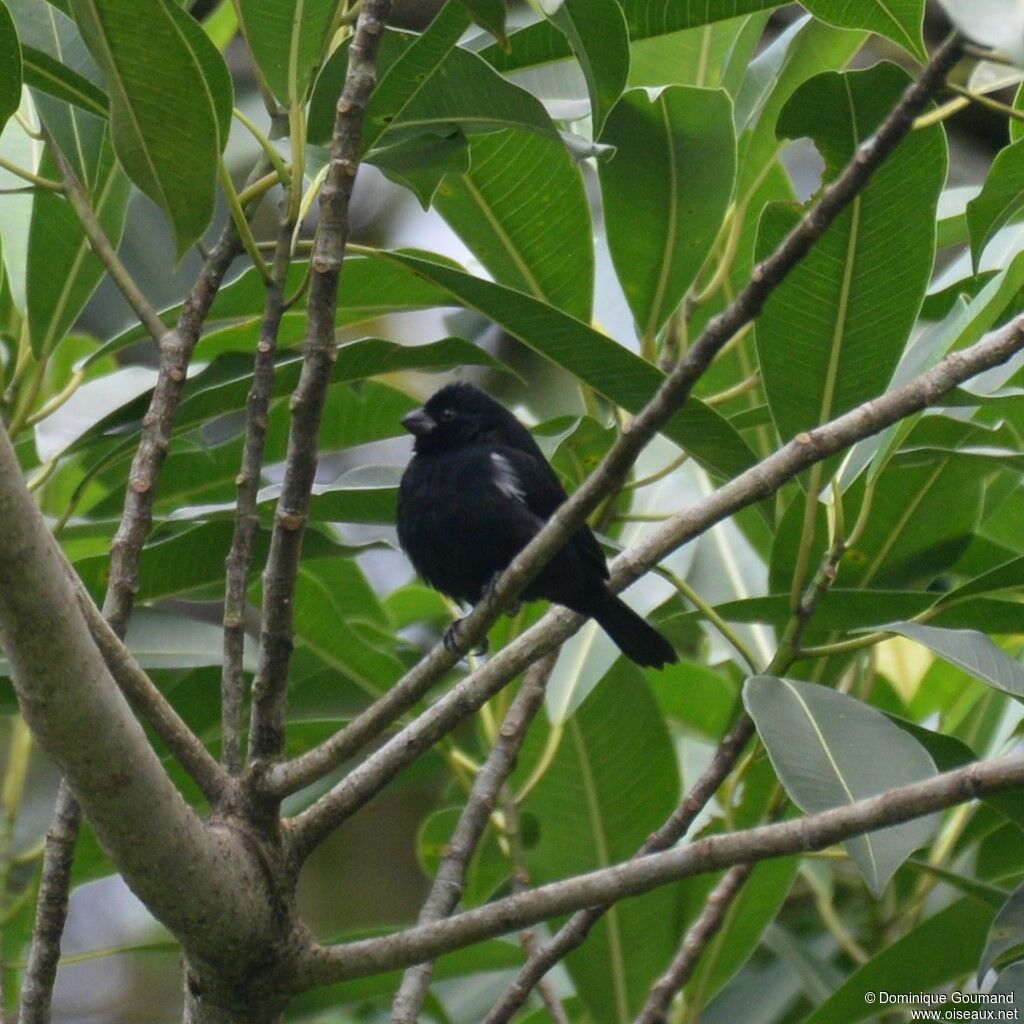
x=505 y=478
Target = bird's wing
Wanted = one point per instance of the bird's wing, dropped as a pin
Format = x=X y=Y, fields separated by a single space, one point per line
x=531 y=480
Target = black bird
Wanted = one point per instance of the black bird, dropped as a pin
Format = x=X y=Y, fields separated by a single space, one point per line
x=477 y=490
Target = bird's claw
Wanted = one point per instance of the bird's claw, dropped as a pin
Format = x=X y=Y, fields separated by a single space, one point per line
x=451 y=640
x=514 y=607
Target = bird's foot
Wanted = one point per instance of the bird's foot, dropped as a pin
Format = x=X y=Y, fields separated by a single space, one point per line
x=451 y=640
x=514 y=607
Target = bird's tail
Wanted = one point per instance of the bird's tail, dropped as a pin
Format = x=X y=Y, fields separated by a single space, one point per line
x=634 y=637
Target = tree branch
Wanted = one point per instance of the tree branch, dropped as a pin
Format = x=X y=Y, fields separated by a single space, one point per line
x=611 y=472
x=449 y=882
x=175 y=864
x=247 y=522
x=270 y=687
x=801 y=835
x=700 y=933
x=575 y=931
x=312 y=825
x=176 y=349
x=51 y=909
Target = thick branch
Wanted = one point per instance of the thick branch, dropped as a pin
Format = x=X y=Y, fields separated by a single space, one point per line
x=758 y=482
x=450 y=880
x=270 y=687
x=611 y=472
x=714 y=853
x=175 y=864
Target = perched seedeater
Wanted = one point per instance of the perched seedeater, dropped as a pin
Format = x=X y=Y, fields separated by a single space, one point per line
x=476 y=491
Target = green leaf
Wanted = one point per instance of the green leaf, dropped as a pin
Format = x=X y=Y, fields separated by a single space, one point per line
x=612 y=780
x=163 y=119
x=1005 y=945
x=611 y=370
x=428 y=84
x=711 y=56
x=62 y=271
x=696 y=697
x=539 y=43
x=287 y=39
x=970 y=650
x=420 y=163
x=47 y=75
x=859 y=609
x=806 y=48
x=830 y=336
x=598 y=36
x=10 y=67
x=542 y=247
x=489 y=15
x=830 y=750
x=746 y=920
x=332 y=601
x=215 y=74
x=373 y=287
x=898 y=20
x=665 y=193
x=940 y=949
x=225 y=384
x=999 y=201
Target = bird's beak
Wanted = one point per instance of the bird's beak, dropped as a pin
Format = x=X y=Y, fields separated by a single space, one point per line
x=418 y=422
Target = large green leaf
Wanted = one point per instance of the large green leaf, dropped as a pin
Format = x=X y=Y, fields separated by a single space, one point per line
x=52 y=36
x=665 y=193
x=539 y=43
x=1005 y=944
x=943 y=947
x=1000 y=199
x=861 y=609
x=542 y=247
x=597 y=33
x=48 y=75
x=830 y=336
x=898 y=20
x=163 y=118
x=972 y=651
x=369 y=288
x=610 y=369
x=757 y=905
x=830 y=750
x=10 y=66
x=806 y=48
x=224 y=385
x=613 y=779
x=287 y=39
x=332 y=600
x=711 y=56
x=62 y=269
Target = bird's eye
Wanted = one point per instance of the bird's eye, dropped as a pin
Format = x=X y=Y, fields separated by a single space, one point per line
x=447 y=415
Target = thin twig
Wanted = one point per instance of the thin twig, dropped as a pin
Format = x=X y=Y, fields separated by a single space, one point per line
x=270 y=687
x=449 y=881
x=612 y=471
x=247 y=522
x=575 y=931
x=700 y=933
x=51 y=910
x=176 y=349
